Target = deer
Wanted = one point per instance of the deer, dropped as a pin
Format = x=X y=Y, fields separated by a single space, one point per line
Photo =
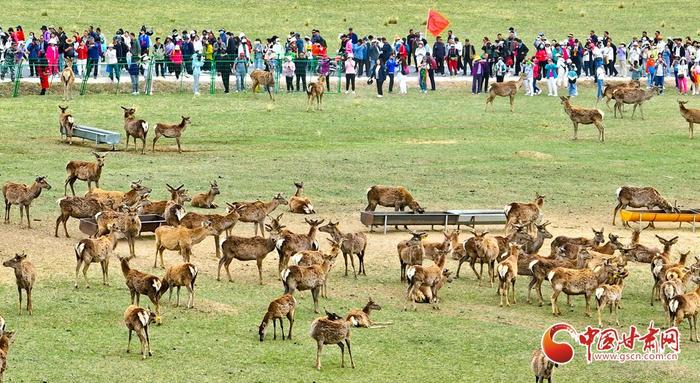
x=316 y=257
x=585 y=116
x=84 y=171
x=116 y=199
x=351 y=244
x=411 y=252
x=289 y=243
x=22 y=195
x=507 y=271
x=221 y=223
x=530 y=245
x=76 y=207
x=609 y=89
x=360 y=317
x=206 y=200
x=504 y=89
x=418 y=276
x=687 y=306
x=245 y=249
x=299 y=204
x=677 y=280
x=486 y=250
x=315 y=92
x=541 y=266
x=277 y=310
x=579 y=282
x=397 y=197
x=67 y=80
x=184 y=274
x=171 y=131
x=181 y=239
x=609 y=294
x=25 y=276
x=178 y=196
x=541 y=366
x=66 y=123
x=662 y=262
x=99 y=249
x=431 y=249
x=458 y=250
x=331 y=329
x=523 y=213
x=137 y=320
x=632 y=96
x=134 y=128
x=425 y=293
x=263 y=78
x=559 y=241
x=636 y=197
x=142 y=283
x=306 y=278
x=127 y=221
x=255 y=212
x=7 y=338
x=692 y=116
x=645 y=254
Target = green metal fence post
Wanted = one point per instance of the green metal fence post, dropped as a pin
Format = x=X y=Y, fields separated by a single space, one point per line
x=339 y=70
x=86 y=75
x=212 y=76
x=149 y=77
x=18 y=77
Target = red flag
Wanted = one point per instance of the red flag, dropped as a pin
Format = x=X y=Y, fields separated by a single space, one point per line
x=436 y=22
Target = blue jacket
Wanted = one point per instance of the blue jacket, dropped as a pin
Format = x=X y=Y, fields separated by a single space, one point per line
x=94 y=52
x=144 y=41
x=391 y=66
x=359 y=51
x=187 y=49
x=134 y=68
x=197 y=64
x=33 y=49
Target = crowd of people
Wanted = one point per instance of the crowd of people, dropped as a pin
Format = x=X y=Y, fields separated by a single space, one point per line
x=188 y=53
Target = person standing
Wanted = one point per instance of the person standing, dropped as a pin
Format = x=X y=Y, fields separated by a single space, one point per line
x=380 y=76
x=223 y=66
x=241 y=68
x=112 y=63
x=33 y=49
x=391 y=69
x=423 y=75
x=468 y=56
x=82 y=54
x=477 y=72
x=529 y=77
x=622 y=58
x=599 y=77
x=159 y=57
x=187 y=50
x=501 y=70
x=432 y=65
x=551 y=76
x=300 y=71
x=659 y=73
x=43 y=71
x=572 y=77
x=288 y=73
x=133 y=70
x=350 y=73
x=452 y=59
x=439 y=53
x=176 y=59
x=359 y=51
x=197 y=63
x=258 y=55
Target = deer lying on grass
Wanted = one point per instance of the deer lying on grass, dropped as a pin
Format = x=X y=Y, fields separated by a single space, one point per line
x=315 y=91
x=360 y=317
x=523 y=213
x=22 y=195
x=127 y=221
x=692 y=116
x=299 y=204
x=95 y=250
x=331 y=329
x=76 y=207
x=116 y=199
x=245 y=249
x=134 y=128
x=221 y=223
x=184 y=274
x=263 y=78
x=278 y=309
x=6 y=340
x=687 y=306
x=507 y=271
x=178 y=196
x=137 y=320
x=392 y=196
x=579 y=282
x=632 y=96
x=142 y=283
x=206 y=200
x=411 y=252
x=609 y=89
x=67 y=80
x=541 y=366
x=504 y=89
x=25 y=275
x=559 y=241
x=180 y=239
x=289 y=243
x=307 y=278
x=256 y=212
x=585 y=116
x=170 y=131
x=609 y=294
x=66 y=123
x=84 y=171
x=351 y=244
x=636 y=197
x=541 y=266
x=677 y=282
x=418 y=276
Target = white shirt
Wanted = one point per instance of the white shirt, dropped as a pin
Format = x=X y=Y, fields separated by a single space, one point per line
x=111 y=56
x=600 y=73
x=197 y=46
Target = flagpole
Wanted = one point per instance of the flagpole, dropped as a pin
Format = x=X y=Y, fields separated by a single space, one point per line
x=427 y=19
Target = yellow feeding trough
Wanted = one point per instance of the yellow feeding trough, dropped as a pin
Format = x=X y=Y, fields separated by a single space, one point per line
x=690 y=216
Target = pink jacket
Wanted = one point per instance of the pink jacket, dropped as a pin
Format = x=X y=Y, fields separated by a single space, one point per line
x=350 y=66
x=52 y=54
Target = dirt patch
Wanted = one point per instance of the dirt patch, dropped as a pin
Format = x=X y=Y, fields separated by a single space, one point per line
x=212 y=307
x=534 y=155
x=430 y=142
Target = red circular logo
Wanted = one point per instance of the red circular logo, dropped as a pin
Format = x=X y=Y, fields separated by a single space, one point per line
x=561 y=353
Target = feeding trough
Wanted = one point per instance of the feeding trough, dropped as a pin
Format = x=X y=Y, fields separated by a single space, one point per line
x=688 y=215
x=149 y=223
x=443 y=218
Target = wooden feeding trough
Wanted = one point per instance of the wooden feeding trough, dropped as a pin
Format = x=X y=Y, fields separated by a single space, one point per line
x=443 y=218
x=149 y=223
x=688 y=215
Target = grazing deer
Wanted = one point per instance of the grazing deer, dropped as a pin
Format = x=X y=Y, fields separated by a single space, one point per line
x=411 y=252
x=331 y=329
x=418 y=276
x=687 y=306
x=116 y=199
x=142 y=283
x=181 y=239
x=637 y=197
x=206 y=200
x=692 y=116
x=585 y=116
x=609 y=89
x=127 y=221
x=178 y=196
x=84 y=171
x=562 y=240
x=525 y=214
x=6 y=340
x=507 y=271
x=351 y=244
x=278 y=309
x=66 y=123
x=171 y=131
x=579 y=282
x=22 y=195
x=632 y=96
x=76 y=207
x=245 y=249
x=255 y=212
x=25 y=275
x=184 y=274
x=134 y=128
x=504 y=89
x=67 y=79
x=360 y=317
x=137 y=320
x=541 y=366
x=95 y=250
x=307 y=278
x=397 y=197
x=299 y=204
x=263 y=78
x=315 y=91
x=221 y=223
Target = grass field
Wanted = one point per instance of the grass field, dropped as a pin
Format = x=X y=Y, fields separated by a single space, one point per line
x=442 y=146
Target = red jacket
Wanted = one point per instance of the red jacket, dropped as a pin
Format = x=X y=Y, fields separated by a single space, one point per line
x=82 y=52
